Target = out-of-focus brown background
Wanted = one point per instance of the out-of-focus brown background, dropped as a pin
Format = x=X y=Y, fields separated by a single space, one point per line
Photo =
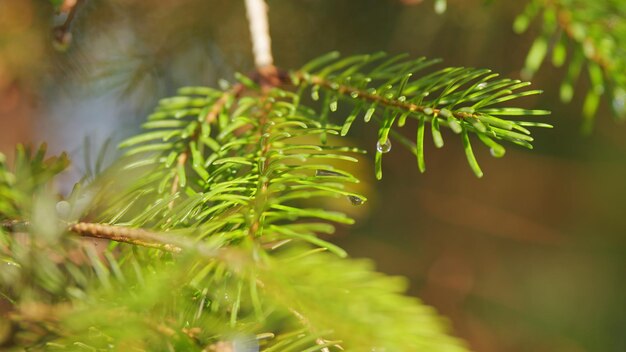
x=530 y=258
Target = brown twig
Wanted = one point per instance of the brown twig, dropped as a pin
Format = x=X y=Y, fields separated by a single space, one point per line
x=218 y=106
x=182 y=159
x=364 y=95
x=134 y=236
x=165 y=242
x=62 y=34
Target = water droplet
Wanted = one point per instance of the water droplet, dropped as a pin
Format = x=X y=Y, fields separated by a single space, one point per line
x=315 y=93
x=425 y=94
x=63 y=209
x=384 y=147
x=354 y=94
x=440 y=6
x=355 y=200
x=333 y=105
x=224 y=84
x=322 y=173
x=334 y=86
x=481 y=85
x=402 y=98
x=497 y=153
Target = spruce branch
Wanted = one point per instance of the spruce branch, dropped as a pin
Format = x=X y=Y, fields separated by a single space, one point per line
x=389 y=90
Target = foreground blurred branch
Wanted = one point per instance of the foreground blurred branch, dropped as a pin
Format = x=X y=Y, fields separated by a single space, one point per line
x=127 y=235
x=62 y=34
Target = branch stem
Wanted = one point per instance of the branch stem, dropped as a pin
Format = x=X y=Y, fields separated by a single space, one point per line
x=259 y=33
x=364 y=95
x=134 y=236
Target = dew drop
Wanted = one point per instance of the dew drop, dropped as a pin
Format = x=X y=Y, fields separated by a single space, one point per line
x=384 y=147
x=496 y=153
x=63 y=209
x=333 y=106
x=428 y=111
x=356 y=200
x=425 y=94
x=440 y=6
x=481 y=85
x=315 y=93
x=354 y=94
x=224 y=84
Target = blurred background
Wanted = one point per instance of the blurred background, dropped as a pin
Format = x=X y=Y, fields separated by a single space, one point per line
x=530 y=258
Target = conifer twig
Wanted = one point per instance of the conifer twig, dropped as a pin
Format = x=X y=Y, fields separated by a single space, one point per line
x=364 y=95
x=259 y=33
x=62 y=33
x=134 y=236
x=166 y=242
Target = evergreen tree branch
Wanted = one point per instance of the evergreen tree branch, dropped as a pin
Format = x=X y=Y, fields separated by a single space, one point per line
x=388 y=90
x=245 y=161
